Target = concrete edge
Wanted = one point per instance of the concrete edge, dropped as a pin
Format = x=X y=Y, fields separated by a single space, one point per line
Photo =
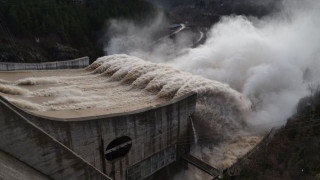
x=72 y=60
x=89 y=118
x=68 y=64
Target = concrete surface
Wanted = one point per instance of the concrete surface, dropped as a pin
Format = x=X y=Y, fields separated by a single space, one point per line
x=152 y=129
x=13 y=169
x=29 y=144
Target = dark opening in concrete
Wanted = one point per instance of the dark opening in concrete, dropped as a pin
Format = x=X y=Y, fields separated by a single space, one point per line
x=118 y=148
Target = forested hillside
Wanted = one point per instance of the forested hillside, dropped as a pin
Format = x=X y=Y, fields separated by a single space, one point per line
x=48 y=30
x=207 y=12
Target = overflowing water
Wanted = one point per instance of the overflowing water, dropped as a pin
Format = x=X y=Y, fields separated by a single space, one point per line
x=269 y=62
x=219 y=107
x=10 y=89
x=74 y=93
x=112 y=83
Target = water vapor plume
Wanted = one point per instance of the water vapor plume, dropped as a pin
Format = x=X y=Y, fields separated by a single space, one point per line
x=269 y=60
x=148 y=40
x=128 y=36
x=264 y=59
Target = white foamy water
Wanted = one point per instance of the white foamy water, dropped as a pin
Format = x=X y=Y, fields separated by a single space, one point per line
x=57 y=91
x=38 y=81
x=226 y=153
x=124 y=74
x=72 y=104
x=14 y=90
x=73 y=99
x=218 y=105
x=74 y=93
x=25 y=104
x=4 y=81
x=164 y=80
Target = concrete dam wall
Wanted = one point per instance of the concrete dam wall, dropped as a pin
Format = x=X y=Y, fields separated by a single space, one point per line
x=133 y=144
x=70 y=64
x=130 y=145
x=33 y=147
x=149 y=131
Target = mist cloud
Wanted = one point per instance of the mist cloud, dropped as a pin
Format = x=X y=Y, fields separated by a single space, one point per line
x=264 y=59
x=148 y=40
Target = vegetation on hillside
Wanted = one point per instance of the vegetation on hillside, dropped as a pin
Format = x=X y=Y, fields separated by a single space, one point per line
x=46 y=30
x=207 y=12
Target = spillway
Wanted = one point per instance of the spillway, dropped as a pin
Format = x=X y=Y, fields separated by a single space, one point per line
x=112 y=84
x=122 y=83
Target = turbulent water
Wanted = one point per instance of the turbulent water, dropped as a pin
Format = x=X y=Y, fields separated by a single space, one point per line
x=122 y=81
x=65 y=97
x=14 y=90
x=218 y=105
x=164 y=80
x=271 y=61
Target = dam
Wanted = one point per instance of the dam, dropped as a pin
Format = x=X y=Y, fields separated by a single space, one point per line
x=119 y=118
